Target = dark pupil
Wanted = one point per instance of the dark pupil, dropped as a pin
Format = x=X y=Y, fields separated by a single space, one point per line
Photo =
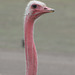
x=34 y=6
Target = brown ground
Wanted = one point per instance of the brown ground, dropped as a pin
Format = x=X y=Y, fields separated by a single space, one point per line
x=54 y=38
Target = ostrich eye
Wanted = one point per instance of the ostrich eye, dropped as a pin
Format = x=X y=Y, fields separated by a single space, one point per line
x=34 y=6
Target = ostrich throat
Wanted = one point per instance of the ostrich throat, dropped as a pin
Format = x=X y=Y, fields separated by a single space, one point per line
x=30 y=49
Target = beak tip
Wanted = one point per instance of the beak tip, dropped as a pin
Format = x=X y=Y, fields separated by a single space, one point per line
x=53 y=10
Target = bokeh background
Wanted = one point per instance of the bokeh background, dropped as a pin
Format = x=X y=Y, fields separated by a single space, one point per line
x=54 y=38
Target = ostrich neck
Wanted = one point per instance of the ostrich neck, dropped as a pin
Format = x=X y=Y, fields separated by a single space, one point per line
x=30 y=50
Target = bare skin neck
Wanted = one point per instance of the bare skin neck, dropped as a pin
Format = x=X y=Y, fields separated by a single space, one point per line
x=30 y=50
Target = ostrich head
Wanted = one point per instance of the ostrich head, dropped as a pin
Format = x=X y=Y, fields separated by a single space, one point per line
x=35 y=9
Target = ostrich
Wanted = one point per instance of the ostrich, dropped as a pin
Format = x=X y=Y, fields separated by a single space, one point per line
x=33 y=10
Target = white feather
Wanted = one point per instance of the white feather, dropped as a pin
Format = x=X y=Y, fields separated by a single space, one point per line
x=27 y=10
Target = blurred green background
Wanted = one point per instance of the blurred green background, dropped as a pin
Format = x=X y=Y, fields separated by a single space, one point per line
x=54 y=33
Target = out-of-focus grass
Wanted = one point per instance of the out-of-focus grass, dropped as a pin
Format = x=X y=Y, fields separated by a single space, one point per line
x=53 y=32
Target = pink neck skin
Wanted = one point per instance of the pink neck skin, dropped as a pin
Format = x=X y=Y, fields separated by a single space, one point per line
x=30 y=50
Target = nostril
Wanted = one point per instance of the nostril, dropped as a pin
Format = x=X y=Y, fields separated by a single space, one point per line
x=45 y=8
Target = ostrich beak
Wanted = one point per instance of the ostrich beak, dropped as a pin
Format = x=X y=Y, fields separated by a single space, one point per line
x=48 y=10
x=51 y=10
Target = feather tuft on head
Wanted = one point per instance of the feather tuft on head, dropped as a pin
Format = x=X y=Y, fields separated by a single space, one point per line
x=27 y=10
